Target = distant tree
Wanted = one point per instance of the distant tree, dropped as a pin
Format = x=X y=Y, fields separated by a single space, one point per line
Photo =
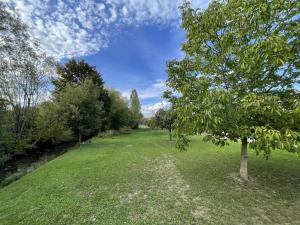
x=135 y=107
x=81 y=107
x=152 y=123
x=144 y=121
x=169 y=121
x=164 y=119
x=119 y=115
x=160 y=118
x=238 y=79
x=74 y=73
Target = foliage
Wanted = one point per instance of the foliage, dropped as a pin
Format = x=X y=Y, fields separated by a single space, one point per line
x=151 y=122
x=81 y=107
x=160 y=118
x=164 y=119
x=120 y=114
x=144 y=121
x=23 y=68
x=239 y=75
x=50 y=125
x=135 y=107
x=80 y=104
x=75 y=72
x=5 y=135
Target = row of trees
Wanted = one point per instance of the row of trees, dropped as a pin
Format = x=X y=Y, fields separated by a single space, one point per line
x=239 y=79
x=88 y=107
x=79 y=105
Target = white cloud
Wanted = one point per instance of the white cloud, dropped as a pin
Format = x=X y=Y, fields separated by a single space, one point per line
x=82 y=27
x=154 y=91
x=150 y=109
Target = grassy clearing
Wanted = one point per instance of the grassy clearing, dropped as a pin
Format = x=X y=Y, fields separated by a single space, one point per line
x=141 y=179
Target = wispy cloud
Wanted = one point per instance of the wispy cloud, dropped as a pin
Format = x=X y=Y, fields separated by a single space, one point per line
x=81 y=27
x=154 y=91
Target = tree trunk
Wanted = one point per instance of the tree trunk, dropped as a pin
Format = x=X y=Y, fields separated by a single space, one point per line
x=79 y=138
x=244 y=166
x=170 y=135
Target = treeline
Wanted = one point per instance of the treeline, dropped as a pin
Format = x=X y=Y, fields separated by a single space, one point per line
x=79 y=105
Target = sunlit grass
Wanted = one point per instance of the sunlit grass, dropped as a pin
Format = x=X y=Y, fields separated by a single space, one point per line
x=142 y=179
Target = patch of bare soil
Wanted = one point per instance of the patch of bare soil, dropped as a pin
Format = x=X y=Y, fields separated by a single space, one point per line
x=236 y=177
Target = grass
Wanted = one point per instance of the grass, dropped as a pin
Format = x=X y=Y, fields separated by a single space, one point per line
x=141 y=179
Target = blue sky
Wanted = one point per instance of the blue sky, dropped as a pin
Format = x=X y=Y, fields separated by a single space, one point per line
x=129 y=41
x=137 y=59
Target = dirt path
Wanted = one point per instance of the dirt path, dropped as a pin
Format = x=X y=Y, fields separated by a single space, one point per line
x=167 y=198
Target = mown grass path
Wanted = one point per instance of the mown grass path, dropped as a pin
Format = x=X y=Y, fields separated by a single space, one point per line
x=142 y=179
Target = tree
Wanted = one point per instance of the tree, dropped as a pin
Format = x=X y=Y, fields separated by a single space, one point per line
x=159 y=118
x=238 y=79
x=135 y=107
x=169 y=121
x=50 y=125
x=75 y=72
x=164 y=119
x=81 y=107
x=23 y=70
x=152 y=123
x=5 y=135
x=119 y=115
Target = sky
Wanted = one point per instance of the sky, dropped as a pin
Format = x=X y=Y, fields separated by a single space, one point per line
x=129 y=41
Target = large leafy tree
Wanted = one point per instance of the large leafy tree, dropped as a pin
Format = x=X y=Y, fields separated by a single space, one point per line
x=119 y=115
x=81 y=108
x=135 y=106
x=75 y=72
x=239 y=77
x=23 y=67
x=50 y=125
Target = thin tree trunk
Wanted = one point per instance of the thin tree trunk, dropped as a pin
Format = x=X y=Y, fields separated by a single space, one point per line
x=244 y=166
x=170 y=135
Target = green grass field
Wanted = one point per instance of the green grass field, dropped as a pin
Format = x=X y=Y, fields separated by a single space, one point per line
x=141 y=178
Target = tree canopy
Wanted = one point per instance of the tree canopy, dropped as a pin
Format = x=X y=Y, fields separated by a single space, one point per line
x=81 y=107
x=238 y=79
x=50 y=123
x=76 y=72
x=135 y=107
x=23 y=70
x=120 y=114
x=164 y=119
